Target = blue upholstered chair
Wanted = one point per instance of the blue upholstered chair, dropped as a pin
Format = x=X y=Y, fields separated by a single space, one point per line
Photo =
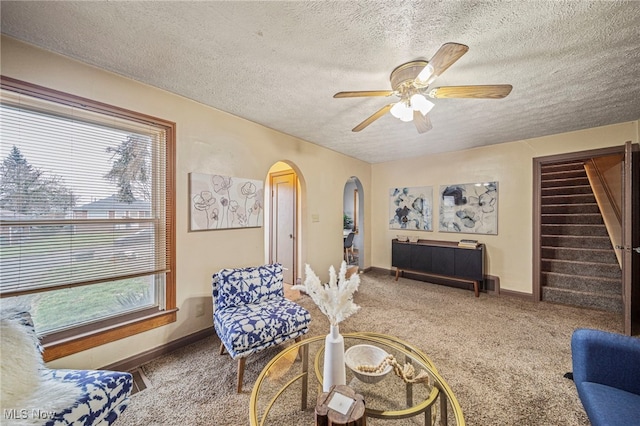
x=55 y=397
x=606 y=371
x=250 y=312
x=348 y=247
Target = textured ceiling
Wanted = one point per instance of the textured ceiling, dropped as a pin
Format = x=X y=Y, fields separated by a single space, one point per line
x=573 y=64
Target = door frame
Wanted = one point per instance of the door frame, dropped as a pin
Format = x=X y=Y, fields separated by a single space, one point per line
x=630 y=239
x=296 y=191
x=538 y=162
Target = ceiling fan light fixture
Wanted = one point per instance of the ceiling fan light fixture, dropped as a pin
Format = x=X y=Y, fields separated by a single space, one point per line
x=411 y=82
x=426 y=72
x=420 y=103
x=396 y=110
x=408 y=116
x=402 y=111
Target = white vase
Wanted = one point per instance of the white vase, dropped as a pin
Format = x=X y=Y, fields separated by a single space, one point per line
x=334 y=369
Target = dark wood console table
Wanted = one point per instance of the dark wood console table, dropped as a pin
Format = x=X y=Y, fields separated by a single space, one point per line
x=442 y=259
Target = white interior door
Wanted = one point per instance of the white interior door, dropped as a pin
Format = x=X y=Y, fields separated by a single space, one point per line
x=283 y=222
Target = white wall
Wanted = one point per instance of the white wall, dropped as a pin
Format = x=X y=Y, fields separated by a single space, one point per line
x=208 y=141
x=509 y=254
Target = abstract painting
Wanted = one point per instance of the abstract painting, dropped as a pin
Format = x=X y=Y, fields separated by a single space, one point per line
x=411 y=208
x=223 y=202
x=469 y=208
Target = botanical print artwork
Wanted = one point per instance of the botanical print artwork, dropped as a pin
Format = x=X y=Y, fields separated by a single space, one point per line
x=470 y=208
x=221 y=202
x=411 y=208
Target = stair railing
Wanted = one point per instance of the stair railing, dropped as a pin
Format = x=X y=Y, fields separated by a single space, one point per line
x=605 y=178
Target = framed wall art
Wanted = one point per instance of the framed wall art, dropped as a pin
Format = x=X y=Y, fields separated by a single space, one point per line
x=469 y=208
x=411 y=208
x=223 y=202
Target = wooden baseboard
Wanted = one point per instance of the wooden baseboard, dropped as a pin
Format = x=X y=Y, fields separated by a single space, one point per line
x=518 y=294
x=136 y=361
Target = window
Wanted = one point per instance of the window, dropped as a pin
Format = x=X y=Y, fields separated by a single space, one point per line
x=86 y=217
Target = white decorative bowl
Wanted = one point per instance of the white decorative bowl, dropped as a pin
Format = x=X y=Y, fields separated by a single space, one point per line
x=366 y=355
x=402 y=238
x=413 y=239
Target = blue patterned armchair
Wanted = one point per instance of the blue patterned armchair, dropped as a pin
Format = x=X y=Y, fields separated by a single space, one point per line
x=251 y=313
x=104 y=396
x=34 y=394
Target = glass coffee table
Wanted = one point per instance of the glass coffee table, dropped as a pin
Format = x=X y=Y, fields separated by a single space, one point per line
x=287 y=389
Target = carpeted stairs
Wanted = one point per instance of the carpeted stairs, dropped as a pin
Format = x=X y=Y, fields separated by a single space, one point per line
x=579 y=265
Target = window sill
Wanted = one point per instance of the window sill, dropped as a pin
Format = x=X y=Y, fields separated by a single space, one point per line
x=58 y=348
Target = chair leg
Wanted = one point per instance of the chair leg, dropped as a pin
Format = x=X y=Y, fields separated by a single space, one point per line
x=240 y=372
x=346 y=255
x=221 y=348
x=298 y=339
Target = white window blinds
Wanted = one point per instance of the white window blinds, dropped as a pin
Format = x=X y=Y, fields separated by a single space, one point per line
x=82 y=196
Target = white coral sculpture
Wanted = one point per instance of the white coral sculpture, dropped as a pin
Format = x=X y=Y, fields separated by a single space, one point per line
x=334 y=299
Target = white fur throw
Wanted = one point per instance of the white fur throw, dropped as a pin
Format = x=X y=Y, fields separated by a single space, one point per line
x=23 y=388
x=21 y=362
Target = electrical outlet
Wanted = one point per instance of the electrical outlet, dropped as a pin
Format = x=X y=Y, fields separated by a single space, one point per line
x=199 y=309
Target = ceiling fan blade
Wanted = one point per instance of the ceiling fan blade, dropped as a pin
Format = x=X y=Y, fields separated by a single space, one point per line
x=495 y=91
x=422 y=122
x=447 y=55
x=363 y=93
x=382 y=111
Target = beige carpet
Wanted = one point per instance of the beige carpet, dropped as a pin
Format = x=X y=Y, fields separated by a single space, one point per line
x=503 y=357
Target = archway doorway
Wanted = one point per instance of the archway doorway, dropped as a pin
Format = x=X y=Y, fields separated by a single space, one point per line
x=353 y=223
x=282 y=219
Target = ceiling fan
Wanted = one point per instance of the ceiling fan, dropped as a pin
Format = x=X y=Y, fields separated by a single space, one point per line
x=410 y=82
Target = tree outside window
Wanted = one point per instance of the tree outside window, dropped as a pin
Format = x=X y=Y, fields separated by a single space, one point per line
x=85 y=220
